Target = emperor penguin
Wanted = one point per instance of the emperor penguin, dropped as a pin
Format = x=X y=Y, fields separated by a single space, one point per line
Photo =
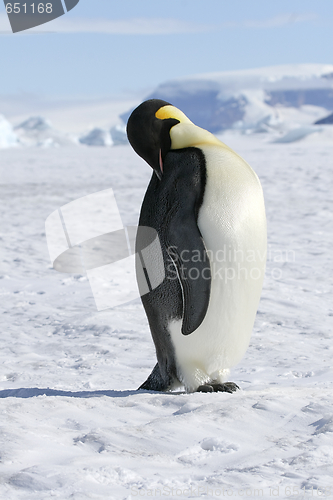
x=207 y=206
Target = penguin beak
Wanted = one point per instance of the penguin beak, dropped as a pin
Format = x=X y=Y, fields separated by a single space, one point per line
x=159 y=170
x=159 y=175
x=160 y=161
x=149 y=134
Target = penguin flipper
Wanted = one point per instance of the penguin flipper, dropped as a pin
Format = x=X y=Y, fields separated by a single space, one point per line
x=188 y=254
x=185 y=179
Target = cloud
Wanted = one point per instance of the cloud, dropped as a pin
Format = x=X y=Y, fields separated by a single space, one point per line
x=139 y=26
x=154 y=26
x=273 y=22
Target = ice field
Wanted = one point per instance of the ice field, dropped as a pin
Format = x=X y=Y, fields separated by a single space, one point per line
x=73 y=424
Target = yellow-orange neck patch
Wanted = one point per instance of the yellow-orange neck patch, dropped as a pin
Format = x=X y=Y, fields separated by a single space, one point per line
x=171 y=112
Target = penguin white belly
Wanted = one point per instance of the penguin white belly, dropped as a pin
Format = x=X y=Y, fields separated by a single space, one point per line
x=233 y=225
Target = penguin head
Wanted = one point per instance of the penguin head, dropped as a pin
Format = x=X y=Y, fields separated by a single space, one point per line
x=148 y=131
x=156 y=126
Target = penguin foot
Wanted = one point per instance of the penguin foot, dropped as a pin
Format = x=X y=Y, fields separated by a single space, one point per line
x=217 y=387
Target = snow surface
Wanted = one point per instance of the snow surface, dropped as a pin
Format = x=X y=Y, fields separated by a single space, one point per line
x=8 y=137
x=102 y=137
x=118 y=134
x=72 y=424
x=273 y=100
x=284 y=76
x=242 y=99
x=97 y=137
x=38 y=131
x=327 y=120
x=69 y=116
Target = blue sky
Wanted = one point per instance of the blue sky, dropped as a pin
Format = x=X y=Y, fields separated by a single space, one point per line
x=108 y=48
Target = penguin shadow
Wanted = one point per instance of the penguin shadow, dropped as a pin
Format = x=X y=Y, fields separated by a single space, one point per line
x=25 y=393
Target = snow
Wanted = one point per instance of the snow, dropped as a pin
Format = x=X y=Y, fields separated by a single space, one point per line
x=115 y=136
x=97 y=137
x=272 y=77
x=34 y=123
x=73 y=424
x=118 y=134
x=38 y=131
x=327 y=120
x=274 y=100
x=68 y=115
x=299 y=133
x=8 y=137
x=62 y=122
x=241 y=99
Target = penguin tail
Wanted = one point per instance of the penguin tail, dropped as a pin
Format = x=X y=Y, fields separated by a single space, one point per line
x=155 y=381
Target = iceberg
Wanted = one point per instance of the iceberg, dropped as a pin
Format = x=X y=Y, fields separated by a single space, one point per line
x=328 y=120
x=297 y=134
x=97 y=137
x=8 y=138
x=33 y=124
x=244 y=99
x=38 y=131
x=118 y=135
